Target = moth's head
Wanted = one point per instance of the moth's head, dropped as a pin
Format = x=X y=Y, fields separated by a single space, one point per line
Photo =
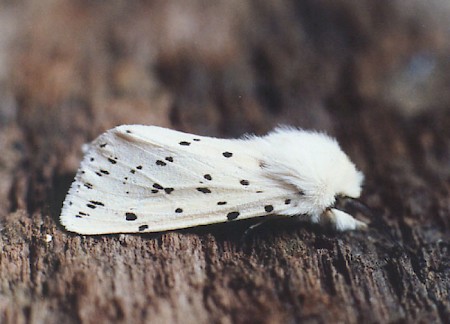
x=331 y=174
x=315 y=165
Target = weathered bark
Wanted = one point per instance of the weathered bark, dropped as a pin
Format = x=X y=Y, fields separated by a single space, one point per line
x=370 y=74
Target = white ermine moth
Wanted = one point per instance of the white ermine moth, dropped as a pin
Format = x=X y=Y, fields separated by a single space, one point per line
x=136 y=178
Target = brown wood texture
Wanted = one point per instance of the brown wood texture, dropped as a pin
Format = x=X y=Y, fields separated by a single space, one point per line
x=375 y=74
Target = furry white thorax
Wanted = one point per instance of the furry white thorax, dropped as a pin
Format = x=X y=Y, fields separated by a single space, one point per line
x=311 y=162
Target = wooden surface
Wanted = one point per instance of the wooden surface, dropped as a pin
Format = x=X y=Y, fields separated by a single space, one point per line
x=375 y=75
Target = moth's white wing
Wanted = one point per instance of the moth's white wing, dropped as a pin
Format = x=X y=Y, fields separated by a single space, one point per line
x=137 y=178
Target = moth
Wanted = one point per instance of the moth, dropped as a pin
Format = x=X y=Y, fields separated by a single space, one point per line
x=136 y=178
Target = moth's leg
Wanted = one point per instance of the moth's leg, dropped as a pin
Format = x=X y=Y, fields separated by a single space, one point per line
x=251 y=228
x=341 y=221
x=266 y=219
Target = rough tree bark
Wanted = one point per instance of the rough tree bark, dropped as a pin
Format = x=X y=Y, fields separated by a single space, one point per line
x=374 y=74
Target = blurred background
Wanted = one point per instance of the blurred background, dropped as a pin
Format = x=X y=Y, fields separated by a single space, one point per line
x=222 y=67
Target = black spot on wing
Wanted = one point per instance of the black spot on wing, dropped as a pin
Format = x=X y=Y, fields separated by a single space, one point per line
x=178 y=210
x=233 y=215
x=168 y=190
x=130 y=216
x=160 y=163
x=196 y=139
x=204 y=190
x=98 y=203
x=227 y=154
x=88 y=185
x=221 y=203
x=104 y=171
x=244 y=182
x=143 y=228
x=268 y=208
x=207 y=177
x=184 y=143
x=157 y=186
x=102 y=145
x=91 y=206
x=81 y=214
x=139 y=167
x=112 y=161
x=287 y=201
x=169 y=158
